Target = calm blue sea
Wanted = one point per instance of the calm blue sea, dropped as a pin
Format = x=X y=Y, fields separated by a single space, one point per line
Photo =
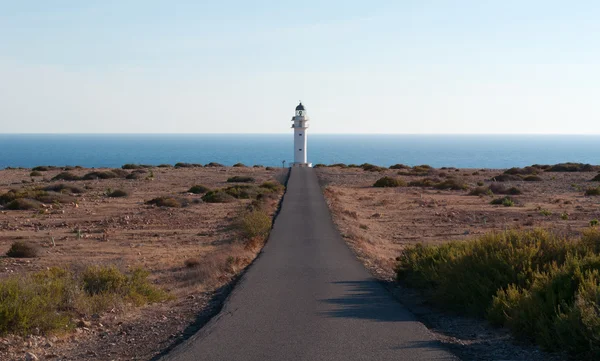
x=472 y=151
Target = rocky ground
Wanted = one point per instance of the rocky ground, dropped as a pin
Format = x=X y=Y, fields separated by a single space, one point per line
x=378 y=223
x=127 y=232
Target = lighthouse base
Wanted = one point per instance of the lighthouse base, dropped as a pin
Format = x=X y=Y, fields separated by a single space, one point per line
x=302 y=165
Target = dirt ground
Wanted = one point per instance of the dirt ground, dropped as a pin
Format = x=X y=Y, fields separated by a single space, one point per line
x=96 y=229
x=378 y=223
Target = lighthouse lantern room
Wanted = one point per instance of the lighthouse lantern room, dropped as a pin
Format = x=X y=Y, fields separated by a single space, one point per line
x=300 y=143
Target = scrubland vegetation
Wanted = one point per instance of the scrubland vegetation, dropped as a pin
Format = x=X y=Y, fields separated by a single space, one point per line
x=544 y=287
x=84 y=247
x=50 y=301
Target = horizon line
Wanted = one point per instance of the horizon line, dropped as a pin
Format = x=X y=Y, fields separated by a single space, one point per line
x=324 y=133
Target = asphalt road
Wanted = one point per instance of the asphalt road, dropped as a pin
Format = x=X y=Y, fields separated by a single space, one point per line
x=308 y=298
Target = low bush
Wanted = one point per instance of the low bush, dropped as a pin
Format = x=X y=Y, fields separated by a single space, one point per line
x=596 y=178
x=572 y=167
x=61 y=188
x=255 y=223
x=425 y=182
x=67 y=176
x=135 y=166
x=533 y=178
x=389 y=182
x=117 y=193
x=272 y=186
x=218 y=196
x=35 y=173
x=269 y=168
x=240 y=179
x=108 y=174
x=506 y=178
x=320 y=165
x=184 y=165
x=338 y=165
x=165 y=202
x=451 y=184
x=41 y=168
x=214 y=164
x=371 y=168
x=23 y=204
x=522 y=171
x=22 y=250
x=165 y=166
x=480 y=191
x=505 y=201
x=239 y=165
x=48 y=301
x=198 y=189
x=592 y=191
x=399 y=166
x=543 y=287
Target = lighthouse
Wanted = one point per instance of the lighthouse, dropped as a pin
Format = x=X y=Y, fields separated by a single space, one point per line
x=300 y=126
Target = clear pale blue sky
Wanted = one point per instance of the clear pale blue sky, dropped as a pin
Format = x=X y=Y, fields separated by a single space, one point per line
x=414 y=66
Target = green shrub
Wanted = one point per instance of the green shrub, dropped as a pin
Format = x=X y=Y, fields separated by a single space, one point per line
x=464 y=276
x=184 y=165
x=22 y=250
x=135 y=166
x=47 y=301
x=389 y=182
x=338 y=165
x=533 y=178
x=214 y=164
x=399 y=166
x=98 y=280
x=572 y=167
x=41 y=168
x=269 y=168
x=480 y=191
x=593 y=192
x=198 y=189
x=35 y=173
x=23 y=204
x=239 y=165
x=272 y=186
x=593 y=223
x=425 y=182
x=371 y=168
x=117 y=193
x=240 y=179
x=545 y=212
x=165 y=202
x=218 y=196
x=165 y=166
x=522 y=171
x=255 y=223
x=61 y=187
x=66 y=176
x=100 y=175
x=505 y=201
x=452 y=184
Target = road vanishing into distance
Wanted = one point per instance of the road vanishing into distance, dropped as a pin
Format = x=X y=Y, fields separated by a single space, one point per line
x=307 y=297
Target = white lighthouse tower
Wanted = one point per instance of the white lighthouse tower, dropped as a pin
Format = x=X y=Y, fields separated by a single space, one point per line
x=300 y=125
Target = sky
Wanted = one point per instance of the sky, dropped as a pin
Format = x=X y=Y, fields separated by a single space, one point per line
x=233 y=66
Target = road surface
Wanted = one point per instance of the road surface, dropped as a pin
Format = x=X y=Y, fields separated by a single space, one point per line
x=307 y=297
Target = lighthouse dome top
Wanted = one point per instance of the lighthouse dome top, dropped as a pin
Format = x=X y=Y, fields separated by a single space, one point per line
x=300 y=106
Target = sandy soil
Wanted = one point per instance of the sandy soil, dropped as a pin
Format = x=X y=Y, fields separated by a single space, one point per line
x=378 y=223
x=126 y=232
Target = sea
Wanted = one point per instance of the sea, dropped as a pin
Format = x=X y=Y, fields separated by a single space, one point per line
x=464 y=151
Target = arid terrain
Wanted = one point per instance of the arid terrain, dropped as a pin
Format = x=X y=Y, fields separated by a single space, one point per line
x=378 y=223
x=192 y=250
